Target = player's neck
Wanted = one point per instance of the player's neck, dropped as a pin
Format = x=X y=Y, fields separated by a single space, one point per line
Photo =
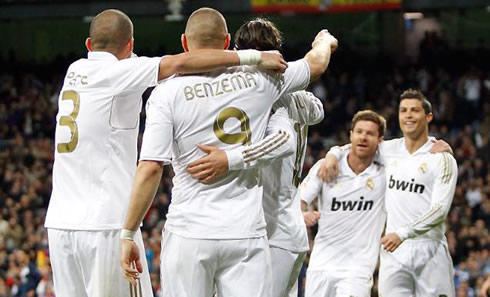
x=358 y=165
x=413 y=144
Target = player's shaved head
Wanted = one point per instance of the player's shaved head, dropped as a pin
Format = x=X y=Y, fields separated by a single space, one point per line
x=110 y=31
x=206 y=28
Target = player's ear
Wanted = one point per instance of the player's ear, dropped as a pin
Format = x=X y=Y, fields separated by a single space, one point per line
x=227 y=41
x=88 y=44
x=430 y=117
x=350 y=136
x=183 y=40
x=130 y=45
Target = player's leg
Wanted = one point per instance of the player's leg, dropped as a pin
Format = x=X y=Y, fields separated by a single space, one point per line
x=283 y=264
x=292 y=289
x=102 y=273
x=354 y=287
x=395 y=280
x=67 y=273
x=434 y=276
x=187 y=266
x=244 y=269
x=319 y=284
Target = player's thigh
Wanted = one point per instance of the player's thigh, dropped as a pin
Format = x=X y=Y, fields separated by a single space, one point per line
x=282 y=262
x=67 y=272
x=292 y=289
x=436 y=277
x=187 y=266
x=245 y=268
x=394 y=279
x=319 y=284
x=100 y=253
x=354 y=287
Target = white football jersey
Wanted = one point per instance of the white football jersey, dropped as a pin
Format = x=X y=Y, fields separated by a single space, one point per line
x=95 y=141
x=285 y=224
x=420 y=190
x=352 y=218
x=286 y=228
x=226 y=109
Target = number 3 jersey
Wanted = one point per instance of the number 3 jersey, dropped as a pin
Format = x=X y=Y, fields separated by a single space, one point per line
x=95 y=142
x=226 y=109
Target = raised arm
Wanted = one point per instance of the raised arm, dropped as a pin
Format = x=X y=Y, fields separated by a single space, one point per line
x=203 y=60
x=319 y=55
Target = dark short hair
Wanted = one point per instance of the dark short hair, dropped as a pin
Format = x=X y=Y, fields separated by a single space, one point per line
x=417 y=94
x=260 y=34
x=372 y=116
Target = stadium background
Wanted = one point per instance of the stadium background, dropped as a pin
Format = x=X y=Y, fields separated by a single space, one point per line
x=443 y=49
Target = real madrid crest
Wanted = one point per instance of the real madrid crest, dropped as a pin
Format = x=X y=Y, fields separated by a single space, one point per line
x=370 y=184
x=423 y=168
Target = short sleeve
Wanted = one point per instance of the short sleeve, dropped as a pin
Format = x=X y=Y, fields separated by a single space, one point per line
x=158 y=135
x=134 y=73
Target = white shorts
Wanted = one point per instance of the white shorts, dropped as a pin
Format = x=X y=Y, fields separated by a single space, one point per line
x=86 y=264
x=330 y=284
x=286 y=266
x=196 y=267
x=416 y=269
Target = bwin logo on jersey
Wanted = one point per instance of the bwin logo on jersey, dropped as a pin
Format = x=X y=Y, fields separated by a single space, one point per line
x=409 y=186
x=423 y=168
x=350 y=205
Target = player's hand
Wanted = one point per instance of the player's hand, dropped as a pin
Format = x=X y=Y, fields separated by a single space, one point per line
x=311 y=217
x=129 y=255
x=209 y=167
x=325 y=36
x=272 y=61
x=390 y=242
x=440 y=146
x=329 y=169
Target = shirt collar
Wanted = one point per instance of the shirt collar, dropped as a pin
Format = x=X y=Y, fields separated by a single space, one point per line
x=423 y=149
x=100 y=56
x=346 y=170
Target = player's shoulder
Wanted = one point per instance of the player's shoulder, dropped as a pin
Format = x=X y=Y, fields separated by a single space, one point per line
x=392 y=145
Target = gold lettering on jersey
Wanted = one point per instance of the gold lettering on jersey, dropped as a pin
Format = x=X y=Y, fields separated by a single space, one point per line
x=423 y=168
x=370 y=184
x=189 y=94
x=74 y=79
x=219 y=87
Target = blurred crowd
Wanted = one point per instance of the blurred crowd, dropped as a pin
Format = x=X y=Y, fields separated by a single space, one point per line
x=456 y=82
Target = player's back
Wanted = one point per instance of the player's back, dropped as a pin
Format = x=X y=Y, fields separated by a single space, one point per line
x=282 y=208
x=96 y=137
x=411 y=181
x=223 y=109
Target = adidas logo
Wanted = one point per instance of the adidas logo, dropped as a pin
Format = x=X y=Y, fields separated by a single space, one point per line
x=408 y=186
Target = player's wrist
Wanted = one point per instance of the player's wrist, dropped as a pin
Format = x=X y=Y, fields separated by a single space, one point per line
x=249 y=57
x=128 y=234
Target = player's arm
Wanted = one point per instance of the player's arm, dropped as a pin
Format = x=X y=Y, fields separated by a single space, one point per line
x=204 y=60
x=278 y=143
x=318 y=57
x=314 y=107
x=441 y=199
x=147 y=179
x=156 y=150
x=329 y=167
x=309 y=189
